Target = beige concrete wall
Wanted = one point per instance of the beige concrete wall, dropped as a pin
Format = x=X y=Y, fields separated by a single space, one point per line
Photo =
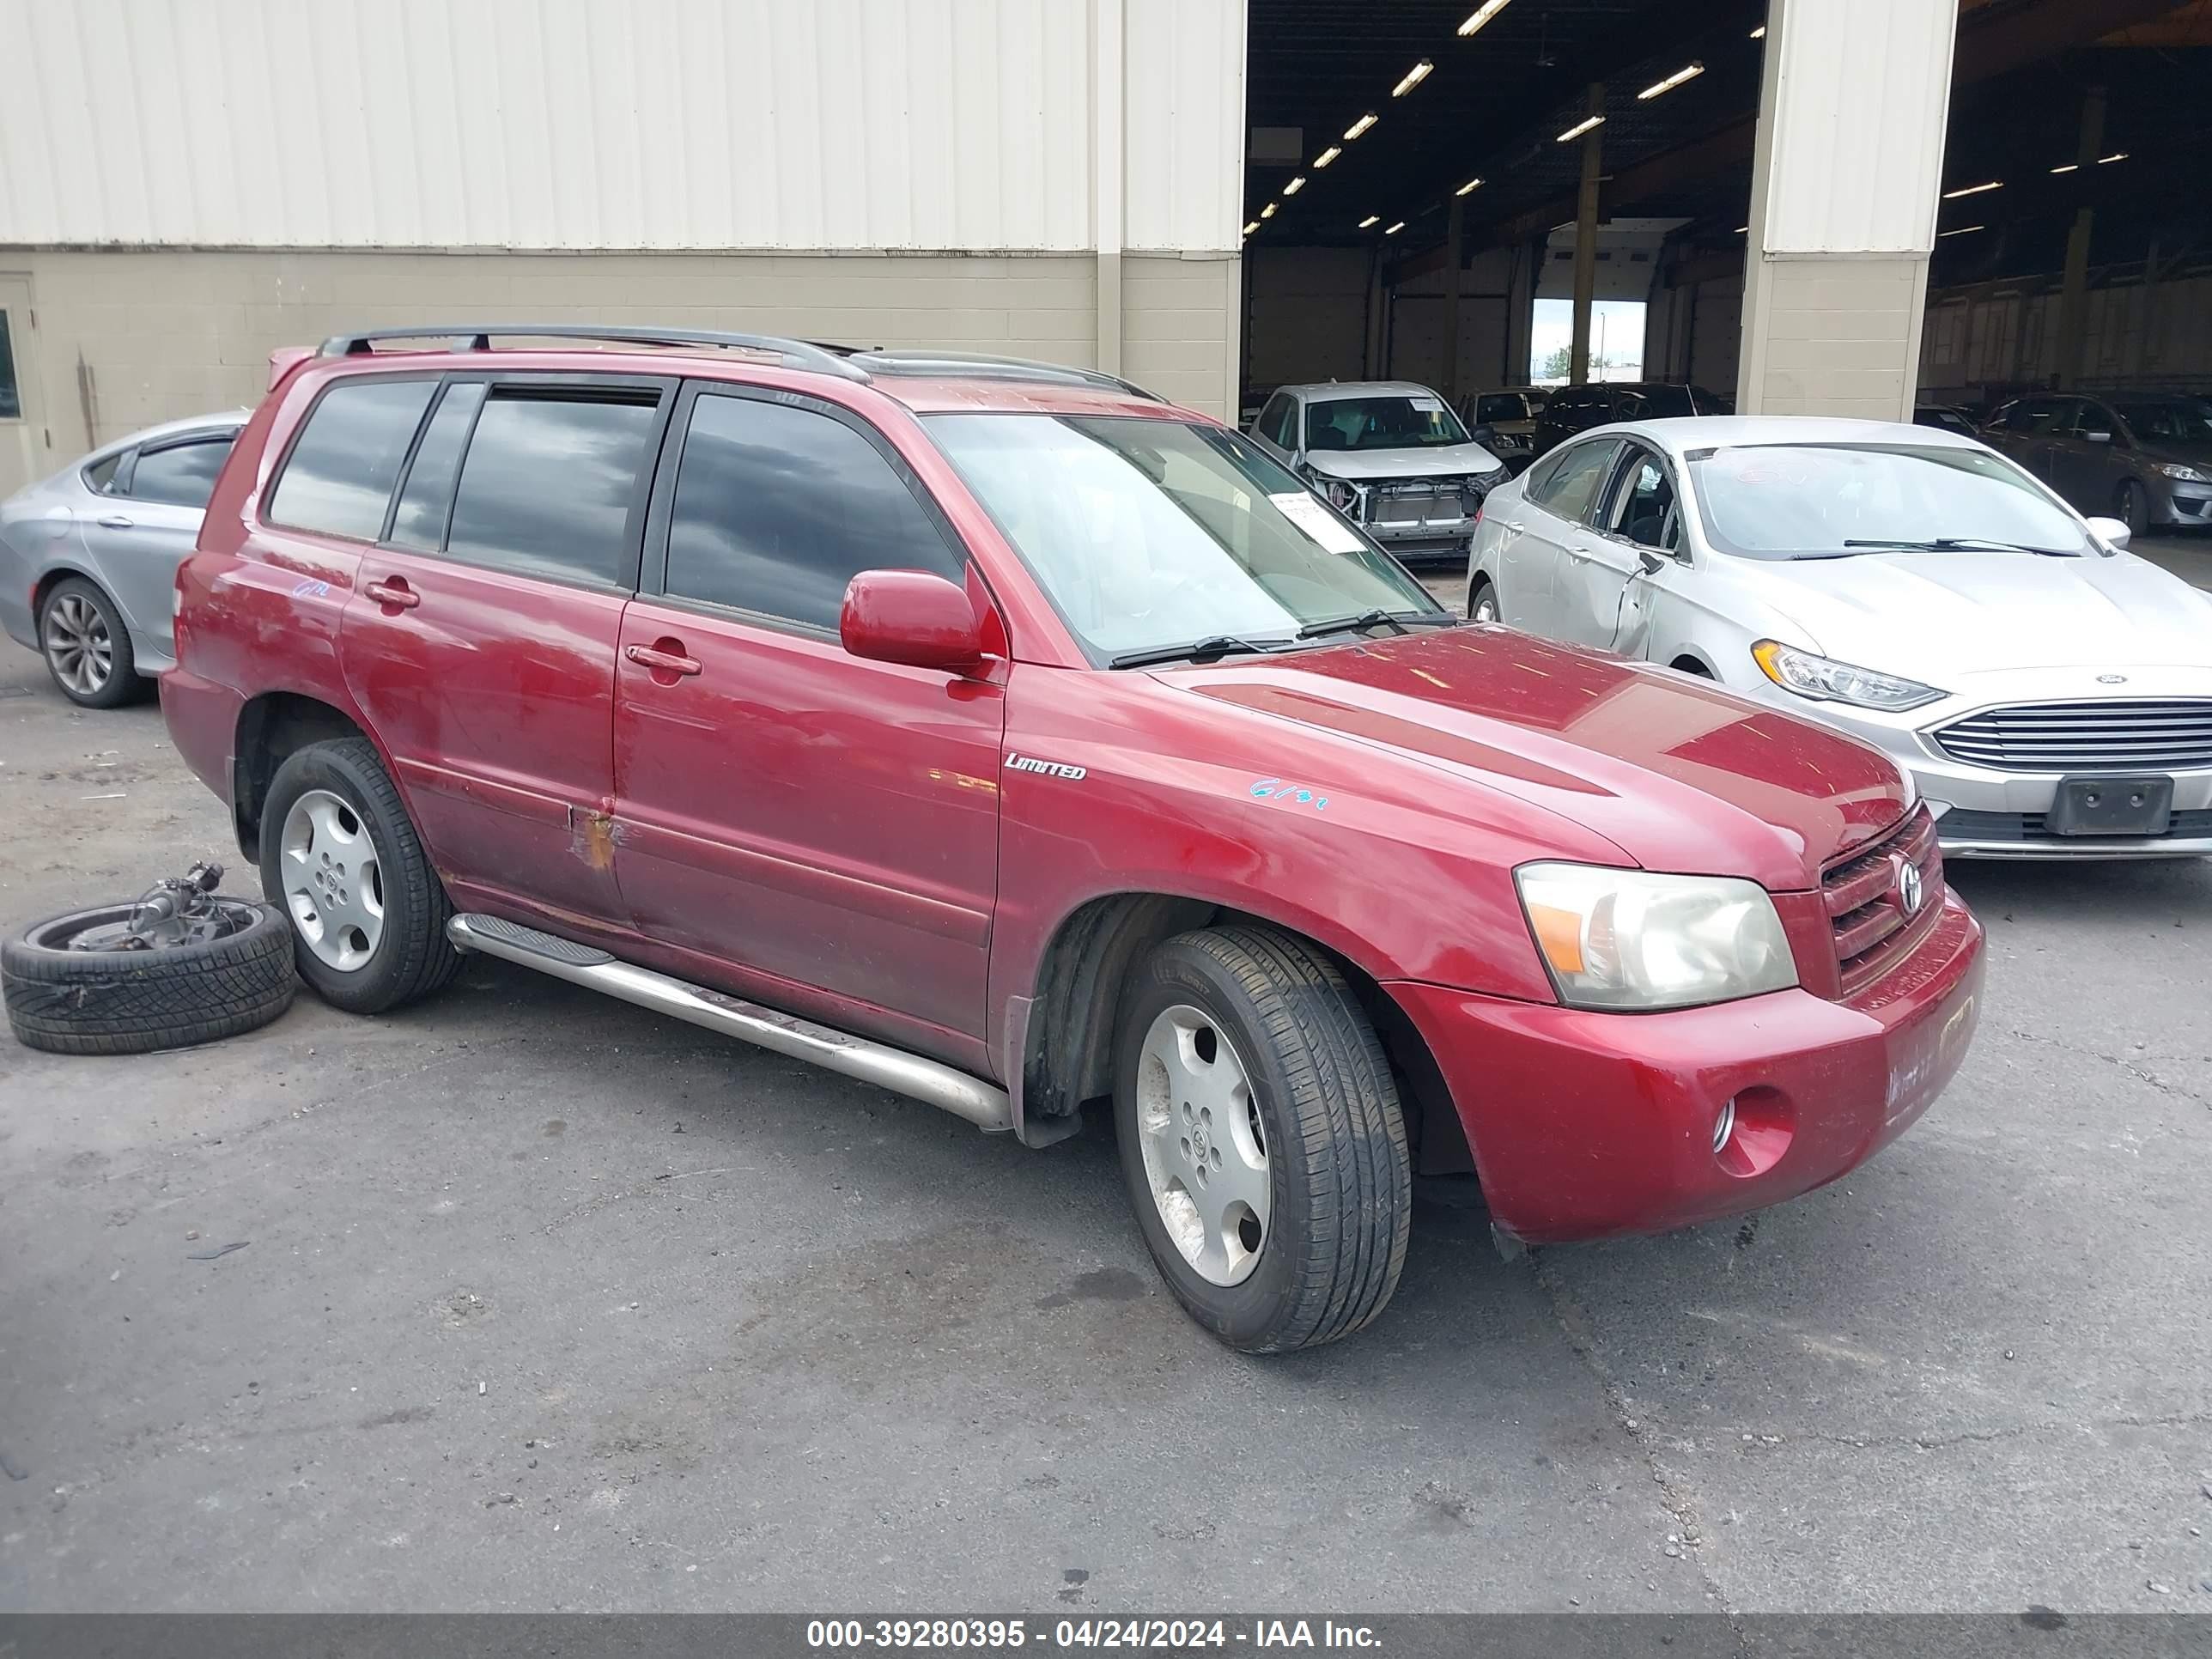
x=1179 y=332
x=166 y=333
x=1833 y=334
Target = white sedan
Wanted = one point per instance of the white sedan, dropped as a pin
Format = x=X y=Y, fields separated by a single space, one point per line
x=2049 y=692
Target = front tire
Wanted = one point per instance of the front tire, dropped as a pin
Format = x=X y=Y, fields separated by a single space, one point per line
x=2132 y=507
x=340 y=858
x=87 y=647
x=1260 y=1138
x=1482 y=601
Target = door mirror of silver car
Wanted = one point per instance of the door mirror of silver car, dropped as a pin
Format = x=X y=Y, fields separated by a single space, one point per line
x=2111 y=531
x=2096 y=437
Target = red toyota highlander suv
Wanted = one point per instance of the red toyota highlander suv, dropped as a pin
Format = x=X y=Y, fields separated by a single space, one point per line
x=1005 y=736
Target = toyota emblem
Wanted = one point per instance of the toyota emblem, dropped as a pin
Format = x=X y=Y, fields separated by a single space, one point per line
x=1908 y=888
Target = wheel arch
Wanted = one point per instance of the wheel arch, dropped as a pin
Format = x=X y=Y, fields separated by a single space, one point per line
x=1074 y=1017
x=54 y=576
x=271 y=727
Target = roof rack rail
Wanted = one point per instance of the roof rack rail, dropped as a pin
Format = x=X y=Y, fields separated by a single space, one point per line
x=479 y=337
x=922 y=361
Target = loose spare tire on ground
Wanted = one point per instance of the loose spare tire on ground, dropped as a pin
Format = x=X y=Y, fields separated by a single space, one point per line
x=183 y=964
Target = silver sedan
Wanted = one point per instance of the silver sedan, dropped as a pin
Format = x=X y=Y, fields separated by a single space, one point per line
x=2050 y=693
x=88 y=557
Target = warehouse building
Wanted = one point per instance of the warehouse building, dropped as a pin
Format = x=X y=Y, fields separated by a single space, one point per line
x=1822 y=205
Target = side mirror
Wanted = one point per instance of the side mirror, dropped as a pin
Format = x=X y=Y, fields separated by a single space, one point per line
x=1653 y=562
x=913 y=618
x=2111 y=531
x=2097 y=437
x=1484 y=433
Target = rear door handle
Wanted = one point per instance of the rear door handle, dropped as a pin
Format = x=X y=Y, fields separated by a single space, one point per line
x=666 y=658
x=393 y=592
x=116 y=521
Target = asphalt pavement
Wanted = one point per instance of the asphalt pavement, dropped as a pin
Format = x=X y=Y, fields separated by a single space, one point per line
x=546 y=1302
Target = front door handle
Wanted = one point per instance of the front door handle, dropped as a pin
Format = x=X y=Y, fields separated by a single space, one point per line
x=394 y=592
x=116 y=521
x=664 y=658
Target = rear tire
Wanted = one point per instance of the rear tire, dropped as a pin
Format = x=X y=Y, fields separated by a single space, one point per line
x=340 y=858
x=1262 y=1025
x=87 y=647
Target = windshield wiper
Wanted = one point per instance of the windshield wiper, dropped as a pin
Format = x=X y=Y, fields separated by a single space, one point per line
x=1956 y=543
x=1395 y=621
x=1212 y=648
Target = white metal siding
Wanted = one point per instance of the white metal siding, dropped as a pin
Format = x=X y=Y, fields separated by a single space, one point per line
x=1863 y=88
x=607 y=124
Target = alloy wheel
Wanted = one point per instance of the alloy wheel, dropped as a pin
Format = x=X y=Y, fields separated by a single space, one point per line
x=79 y=646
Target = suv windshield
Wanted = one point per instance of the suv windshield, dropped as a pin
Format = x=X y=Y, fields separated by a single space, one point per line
x=1148 y=533
x=1654 y=402
x=2172 y=421
x=1824 y=500
x=1401 y=420
x=1496 y=406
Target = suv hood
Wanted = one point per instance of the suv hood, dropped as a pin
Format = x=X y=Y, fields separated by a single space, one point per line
x=1679 y=774
x=1364 y=465
x=1934 y=617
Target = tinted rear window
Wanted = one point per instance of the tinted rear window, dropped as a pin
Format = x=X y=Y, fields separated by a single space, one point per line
x=183 y=475
x=339 y=478
x=550 y=481
x=427 y=496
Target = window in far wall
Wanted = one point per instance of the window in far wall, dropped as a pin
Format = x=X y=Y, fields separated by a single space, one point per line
x=11 y=396
x=1616 y=341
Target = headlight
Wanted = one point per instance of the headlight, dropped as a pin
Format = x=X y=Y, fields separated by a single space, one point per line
x=1626 y=939
x=2186 y=474
x=1829 y=681
x=1343 y=497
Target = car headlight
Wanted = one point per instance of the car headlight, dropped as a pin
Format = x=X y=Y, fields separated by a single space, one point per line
x=1342 y=495
x=2186 y=474
x=1627 y=939
x=1829 y=681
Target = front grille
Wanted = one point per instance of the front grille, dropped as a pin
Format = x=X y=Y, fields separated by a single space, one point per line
x=2166 y=735
x=1422 y=501
x=1962 y=824
x=1873 y=930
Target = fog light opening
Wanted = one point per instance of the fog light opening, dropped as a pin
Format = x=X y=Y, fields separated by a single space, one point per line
x=1724 y=1125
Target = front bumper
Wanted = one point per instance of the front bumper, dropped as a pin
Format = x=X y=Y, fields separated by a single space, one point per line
x=1585 y=1125
x=2183 y=503
x=1983 y=812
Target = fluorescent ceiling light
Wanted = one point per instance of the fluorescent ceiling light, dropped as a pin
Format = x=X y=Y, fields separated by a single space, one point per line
x=1253 y=226
x=1414 y=77
x=1759 y=33
x=1358 y=126
x=1743 y=230
x=1963 y=230
x=1481 y=14
x=1396 y=229
x=1972 y=190
x=2116 y=156
x=1687 y=72
x=1588 y=123
x=1471 y=184
x=2070 y=167
x=1326 y=156
x=1295 y=186
x=1268 y=211
x=1371 y=219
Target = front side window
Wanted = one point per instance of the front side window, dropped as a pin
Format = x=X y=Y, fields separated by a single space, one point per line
x=1150 y=533
x=182 y=475
x=1387 y=421
x=1645 y=514
x=1572 y=484
x=338 y=479
x=551 y=480
x=1831 y=500
x=1275 y=420
x=777 y=508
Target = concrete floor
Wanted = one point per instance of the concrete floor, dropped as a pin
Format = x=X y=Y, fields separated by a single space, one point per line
x=545 y=1303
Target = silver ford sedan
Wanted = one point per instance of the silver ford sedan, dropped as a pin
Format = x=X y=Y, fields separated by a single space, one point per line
x=2049 y=692
x=88 y=557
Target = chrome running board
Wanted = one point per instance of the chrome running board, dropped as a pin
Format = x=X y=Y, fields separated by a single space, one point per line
x=983 y=1104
